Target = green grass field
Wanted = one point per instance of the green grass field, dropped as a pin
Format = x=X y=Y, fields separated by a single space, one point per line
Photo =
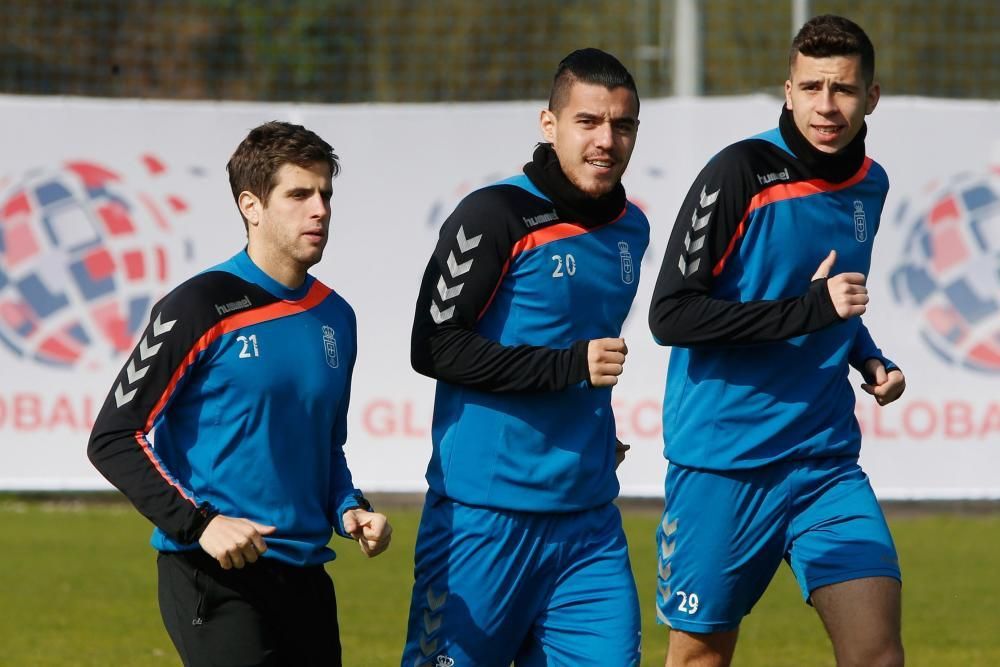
x=77 y=587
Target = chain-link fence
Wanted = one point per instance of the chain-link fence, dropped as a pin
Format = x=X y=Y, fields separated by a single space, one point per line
x=463 y=50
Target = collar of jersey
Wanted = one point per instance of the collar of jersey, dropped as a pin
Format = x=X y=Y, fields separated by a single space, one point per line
x=255 y=274
x=833 y=167
x=571 y=203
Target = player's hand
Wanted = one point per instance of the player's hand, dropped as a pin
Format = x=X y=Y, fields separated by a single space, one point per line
x=234 y=542
x=370 y=529
x=606 y=359
x=847 y=290
x=885 y=386
x=620 y=449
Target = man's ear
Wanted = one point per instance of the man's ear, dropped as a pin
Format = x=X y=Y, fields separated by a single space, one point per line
x=547 y=121
x=250 y=206
x=874 y=92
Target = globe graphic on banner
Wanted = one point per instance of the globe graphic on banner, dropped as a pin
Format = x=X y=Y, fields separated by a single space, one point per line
x=83 y=255
x=950 y=270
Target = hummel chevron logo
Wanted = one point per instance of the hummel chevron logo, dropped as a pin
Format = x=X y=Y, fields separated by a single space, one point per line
x=466 y=244
x=669 y=527
x=456 y=268
x=688 y=270
x=448 y=292
x=146 y=351
x=428 y=648
x=693 y=246
x=135 y=373
x=699 y=223
x=439 y=315
x=162 y=328
x=122 y=398
x=663 y=571
x=431 y=623
x=435 y=601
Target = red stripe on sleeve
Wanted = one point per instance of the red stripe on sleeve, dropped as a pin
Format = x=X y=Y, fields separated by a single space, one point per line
x=317 y=293
x=562 y=230
x=784 y=192
x=140 y=437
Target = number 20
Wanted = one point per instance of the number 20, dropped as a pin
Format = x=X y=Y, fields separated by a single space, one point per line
x=570 y=263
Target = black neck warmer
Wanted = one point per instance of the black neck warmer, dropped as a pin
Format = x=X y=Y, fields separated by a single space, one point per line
x=571 y=203
x=834 y=167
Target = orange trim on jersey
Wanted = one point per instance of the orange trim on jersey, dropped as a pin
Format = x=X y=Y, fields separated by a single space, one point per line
x=317 y=293
x=784 y=192
x=140 y=437
x=562 y=230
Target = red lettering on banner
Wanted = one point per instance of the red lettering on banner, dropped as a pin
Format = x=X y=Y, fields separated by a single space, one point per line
x=62 y=414
x=992 y=420
x=378 y=420
x=30 y=412
x=650 y=411
x=27 y=412
x=880 y=430
x=409 y=428
x=957 y=420
x=923 y=419
x=384 y=418
x=912 y=421
x=638 y=419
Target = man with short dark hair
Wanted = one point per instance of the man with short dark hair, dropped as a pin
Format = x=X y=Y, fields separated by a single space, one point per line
x=761 y=294
x=520 y=554
x=245 y=373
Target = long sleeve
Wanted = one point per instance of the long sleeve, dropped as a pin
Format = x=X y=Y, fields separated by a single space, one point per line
x=864 y=348
x=468 y=264
x=155 y=372
x=343 y=494
x=710 y=224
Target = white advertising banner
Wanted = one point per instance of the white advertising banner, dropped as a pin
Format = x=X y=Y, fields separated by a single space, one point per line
x=105 y=205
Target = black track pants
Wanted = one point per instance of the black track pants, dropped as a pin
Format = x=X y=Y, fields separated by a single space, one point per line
x=267 y=613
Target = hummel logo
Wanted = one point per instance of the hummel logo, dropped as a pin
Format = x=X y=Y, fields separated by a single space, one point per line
x=541 y=219
x=233 y=305
x=688 y=263
x=773 y=176
x=439 y=313
x=448 y=292
x=146 y=351
x=464 y=244
x=431 y=623
x=435 y=601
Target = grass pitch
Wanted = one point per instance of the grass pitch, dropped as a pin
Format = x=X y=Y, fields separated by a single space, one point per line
x=78 y=587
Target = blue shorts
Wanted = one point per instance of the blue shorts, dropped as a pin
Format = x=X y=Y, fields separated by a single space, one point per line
x=495 y=586
x=724 y=534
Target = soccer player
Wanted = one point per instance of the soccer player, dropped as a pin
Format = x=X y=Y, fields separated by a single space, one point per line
x=245 y=373
x=761 y=294
x=520 y=553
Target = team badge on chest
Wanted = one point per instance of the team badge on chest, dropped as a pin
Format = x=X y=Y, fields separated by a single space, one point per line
x=628 y=270
x=860 y=223
x=330 y=347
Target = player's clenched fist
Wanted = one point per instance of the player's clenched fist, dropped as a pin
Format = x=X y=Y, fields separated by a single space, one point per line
x=370 y=529
x=606 y=359
x=847 y=290
x=234 y=541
